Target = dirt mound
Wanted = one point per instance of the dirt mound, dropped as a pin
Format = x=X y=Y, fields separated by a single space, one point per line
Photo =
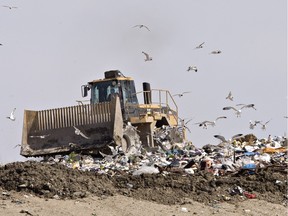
x=58 y=181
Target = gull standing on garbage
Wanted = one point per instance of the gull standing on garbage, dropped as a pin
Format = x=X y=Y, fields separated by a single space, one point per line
x=212 y=123
x=141 y=26
x=239 y=111
x=148 y=58
x=194 y=68
x=12 y=115
x=78 y=132
x=230 y=97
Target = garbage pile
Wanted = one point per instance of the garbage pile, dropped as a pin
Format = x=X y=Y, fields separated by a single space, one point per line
x=243 y=155
x=172 y=173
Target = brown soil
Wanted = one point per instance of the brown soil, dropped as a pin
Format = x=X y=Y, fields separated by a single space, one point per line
x=60 y=182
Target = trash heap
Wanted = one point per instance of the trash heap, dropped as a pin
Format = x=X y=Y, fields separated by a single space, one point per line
x=244 y=155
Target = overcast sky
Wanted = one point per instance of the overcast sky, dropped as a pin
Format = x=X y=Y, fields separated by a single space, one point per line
x=50 y=48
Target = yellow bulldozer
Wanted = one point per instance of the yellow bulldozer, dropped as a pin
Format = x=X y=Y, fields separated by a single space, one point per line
x=114 y=116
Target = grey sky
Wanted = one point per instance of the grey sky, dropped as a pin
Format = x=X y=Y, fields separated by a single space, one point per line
x=51 y=48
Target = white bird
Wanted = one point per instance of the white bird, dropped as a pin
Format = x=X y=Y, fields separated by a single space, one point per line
x=141 y=26
x=148 y=58
x=192 y=68
x=12 y=115
x=239 y=111
x=80 y=102
x=78 y=132
x=180 y=94
x=17 y=145
x=40 y=136
x=10 y=7
x=223 y=139
x=230 y=97
x=247 y=105
x=212 y=123
x=264 y=125
x=216 y=52
x=252 y=124
x=184 y=123
x=199 y=46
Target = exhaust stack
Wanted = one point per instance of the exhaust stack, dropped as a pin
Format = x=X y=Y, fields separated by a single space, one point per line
x=147 y=93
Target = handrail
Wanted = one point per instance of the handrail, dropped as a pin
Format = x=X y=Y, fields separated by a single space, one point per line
x=163 y=101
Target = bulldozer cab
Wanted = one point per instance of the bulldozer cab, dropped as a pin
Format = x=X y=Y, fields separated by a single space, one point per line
x=113 y=85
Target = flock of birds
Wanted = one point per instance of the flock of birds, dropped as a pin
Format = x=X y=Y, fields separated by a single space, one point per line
x=238 y=111
x=204 y=124
x=191 y=67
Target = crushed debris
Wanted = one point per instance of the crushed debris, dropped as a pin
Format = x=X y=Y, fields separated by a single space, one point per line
x=245 y=168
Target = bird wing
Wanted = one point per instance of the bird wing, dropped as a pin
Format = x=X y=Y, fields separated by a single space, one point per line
x=146 y=27
x=188 y=121
x=267 y=122
x=199 y=123
x=248 y=106
x=221 y=117
x=201 y=44
x=229 y=107
x=136 y=26
x=229 y=95
x=186 y=92
x=13 y=112
x=209 y=122
x=146 y=54
x=222 y=138
x=236 y=136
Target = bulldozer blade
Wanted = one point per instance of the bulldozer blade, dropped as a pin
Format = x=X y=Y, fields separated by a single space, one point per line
x=76 y=128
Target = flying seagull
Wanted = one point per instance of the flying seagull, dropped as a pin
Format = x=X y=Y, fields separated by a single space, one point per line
x=181 y=94
x=230 y=97
x=12 y=115
x=199 y=46
x=10 y=7
x=192 y=68
x=252 y=124
x=247 y=105
x=141 y=26
x=264 y=125
x=216 y=52
x=148 y=58
x=78 y=132
x=184 y=123
x=224 y=140
x=205 y=124
x=239 y=111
